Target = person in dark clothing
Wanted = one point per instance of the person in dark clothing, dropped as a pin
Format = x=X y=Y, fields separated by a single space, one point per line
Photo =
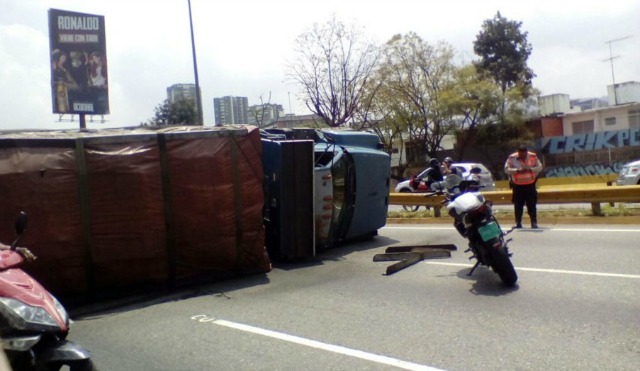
x=523 y=167
x=433 y=174
x=448 y=168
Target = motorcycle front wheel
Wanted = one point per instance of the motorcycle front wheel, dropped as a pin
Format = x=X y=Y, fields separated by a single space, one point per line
x=410 y=208
x=502 y=265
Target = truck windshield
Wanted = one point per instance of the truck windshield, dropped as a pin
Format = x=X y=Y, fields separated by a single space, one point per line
x=343 y=176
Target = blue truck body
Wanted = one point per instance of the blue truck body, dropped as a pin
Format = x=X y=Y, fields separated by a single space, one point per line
x=351 y=175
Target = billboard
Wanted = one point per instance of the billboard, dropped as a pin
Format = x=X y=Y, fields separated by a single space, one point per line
x=79 y=80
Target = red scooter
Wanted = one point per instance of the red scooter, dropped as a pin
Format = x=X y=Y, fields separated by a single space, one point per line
x=33 y=323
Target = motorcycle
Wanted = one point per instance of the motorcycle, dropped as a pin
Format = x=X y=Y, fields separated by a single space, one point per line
x=474 y=220
x=33 y=324
x=450 y=184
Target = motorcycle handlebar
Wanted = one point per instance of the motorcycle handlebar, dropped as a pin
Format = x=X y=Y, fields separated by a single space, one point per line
x=434 y=193
x=21 y=225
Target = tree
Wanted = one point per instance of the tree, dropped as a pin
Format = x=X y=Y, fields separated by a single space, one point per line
x=265 y=114
x=333 y=67
x=504 y=51
x=181 y=112
x=382 y=120
x=414 y=76
x=474 y=101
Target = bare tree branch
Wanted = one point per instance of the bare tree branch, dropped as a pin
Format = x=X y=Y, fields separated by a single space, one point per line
x=333 y=67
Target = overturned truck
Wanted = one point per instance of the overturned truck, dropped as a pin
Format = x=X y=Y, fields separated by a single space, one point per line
x=119 y=210
x=124 y=208
x=322 y=188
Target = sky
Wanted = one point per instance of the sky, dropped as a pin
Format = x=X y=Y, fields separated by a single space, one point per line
x=243 y=46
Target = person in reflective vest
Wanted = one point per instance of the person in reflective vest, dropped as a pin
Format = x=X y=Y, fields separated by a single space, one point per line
x=523 y=167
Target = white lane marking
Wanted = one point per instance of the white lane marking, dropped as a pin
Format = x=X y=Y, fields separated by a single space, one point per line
x=443 y=228
x=315 y=344
x=586 y=229
x=593 y=230
x=561 y=271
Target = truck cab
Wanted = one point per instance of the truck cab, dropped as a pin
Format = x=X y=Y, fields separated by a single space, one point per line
x=350 y=177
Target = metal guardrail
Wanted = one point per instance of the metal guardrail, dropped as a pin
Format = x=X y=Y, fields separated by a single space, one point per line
x=547 y=195
x=588 y=180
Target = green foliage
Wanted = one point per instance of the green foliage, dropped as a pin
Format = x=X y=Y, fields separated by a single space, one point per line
x=409 y=92
x=474 y=101
x=472 y=98
x=504 y=51
x=507 y=130
x=181 y=112
x=414 y=77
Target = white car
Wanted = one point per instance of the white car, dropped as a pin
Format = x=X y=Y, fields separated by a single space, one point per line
x=486 y=180
x=630 y=174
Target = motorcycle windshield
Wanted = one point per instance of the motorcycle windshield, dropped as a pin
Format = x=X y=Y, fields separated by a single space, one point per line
x=466 y=202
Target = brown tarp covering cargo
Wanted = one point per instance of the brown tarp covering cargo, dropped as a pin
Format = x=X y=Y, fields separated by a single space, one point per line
x=116 y=208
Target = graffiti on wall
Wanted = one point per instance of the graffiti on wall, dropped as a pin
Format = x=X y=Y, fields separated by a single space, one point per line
x=590 y=141
x=583 y=170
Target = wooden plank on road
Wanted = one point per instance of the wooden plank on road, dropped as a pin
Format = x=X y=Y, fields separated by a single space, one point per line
x=410 y=260
x=433 y=254
x=421 y=248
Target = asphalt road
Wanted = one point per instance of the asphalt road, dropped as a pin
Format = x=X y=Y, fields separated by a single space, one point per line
x=575 y=308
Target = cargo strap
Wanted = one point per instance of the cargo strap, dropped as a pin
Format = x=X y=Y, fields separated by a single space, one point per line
x=237 y=195
x=172 y=250
x=83 y=187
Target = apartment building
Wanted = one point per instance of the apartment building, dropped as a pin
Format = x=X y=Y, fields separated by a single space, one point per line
x=231 y=110
x=178 y=92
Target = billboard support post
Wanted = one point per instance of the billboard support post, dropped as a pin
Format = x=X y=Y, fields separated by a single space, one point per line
x=195 y=70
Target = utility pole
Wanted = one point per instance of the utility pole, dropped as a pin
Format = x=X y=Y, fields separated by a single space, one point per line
x=610 y=59
x=195 y=70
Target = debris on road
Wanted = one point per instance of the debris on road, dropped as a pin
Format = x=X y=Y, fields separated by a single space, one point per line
x=420 y=248
x=409 y=255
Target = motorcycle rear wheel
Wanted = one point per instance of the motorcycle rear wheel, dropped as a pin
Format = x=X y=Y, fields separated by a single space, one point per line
x=502 y=265
x=80 y=365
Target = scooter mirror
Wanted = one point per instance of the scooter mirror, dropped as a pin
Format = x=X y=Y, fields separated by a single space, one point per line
x=21 y=223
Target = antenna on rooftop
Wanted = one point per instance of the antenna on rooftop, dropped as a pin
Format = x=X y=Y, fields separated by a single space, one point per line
x=610 y=59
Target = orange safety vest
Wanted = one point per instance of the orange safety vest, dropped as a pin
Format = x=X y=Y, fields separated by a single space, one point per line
x=525 y=177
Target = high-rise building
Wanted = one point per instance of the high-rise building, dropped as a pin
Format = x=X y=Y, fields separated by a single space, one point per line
x=264 y=115
x=178 y=92
x=231 y=110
